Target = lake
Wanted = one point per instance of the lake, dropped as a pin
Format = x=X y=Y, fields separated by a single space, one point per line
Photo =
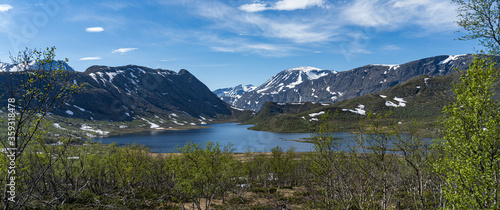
x=238 y=135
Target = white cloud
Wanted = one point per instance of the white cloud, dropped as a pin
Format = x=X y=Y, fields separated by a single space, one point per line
x=255 y=7
x=282 y=5
x=90 y=58
x=94 y=29
x=5 y=7
x=297 y=4
x=123 y=50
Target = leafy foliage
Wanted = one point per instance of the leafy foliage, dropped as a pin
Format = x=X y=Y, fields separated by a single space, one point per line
x=481 y=19
x=470 y=145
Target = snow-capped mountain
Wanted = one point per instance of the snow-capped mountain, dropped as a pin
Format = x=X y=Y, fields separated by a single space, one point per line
x=6 y=67
x=229 y=95
x=284 y=81
x=290 y=78
x=131 y=92
x=307 y=84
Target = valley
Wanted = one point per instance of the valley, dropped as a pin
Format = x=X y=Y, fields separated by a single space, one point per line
x=271 y=105
x=132 y=99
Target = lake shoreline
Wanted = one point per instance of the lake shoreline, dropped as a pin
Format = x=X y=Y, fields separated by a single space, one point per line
x=166 y=140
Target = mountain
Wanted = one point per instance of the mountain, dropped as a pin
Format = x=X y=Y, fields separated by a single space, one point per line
x=420 y=98
x=125 y=93
x=330 y=86
x=6 y=67
x=282 y=82
x=231 y=94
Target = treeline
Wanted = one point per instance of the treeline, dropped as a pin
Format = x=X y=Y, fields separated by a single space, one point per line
x=382 y=169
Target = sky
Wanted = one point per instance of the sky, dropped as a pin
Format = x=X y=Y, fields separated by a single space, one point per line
x=229 y=42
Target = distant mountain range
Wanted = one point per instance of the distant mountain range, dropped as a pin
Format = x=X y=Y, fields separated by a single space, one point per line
x=232 y=94
x=308 y=84
x=125 y=93
x=6 y=67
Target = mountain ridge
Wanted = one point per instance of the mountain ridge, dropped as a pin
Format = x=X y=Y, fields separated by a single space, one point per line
x=131 y=92
x=347 y=84
x=420 y=98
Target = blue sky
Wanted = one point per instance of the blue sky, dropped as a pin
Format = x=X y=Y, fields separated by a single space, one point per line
x=229 y=42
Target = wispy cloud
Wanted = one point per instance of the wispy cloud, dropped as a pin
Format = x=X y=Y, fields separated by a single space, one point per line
x=94 y=29
x=282 y=5
x=116 y=5
x=262 y=49
x=298 y=29
x=348 y=25
x=123 y=50
x=241 y=45
x=90 y=58
x=5 y=7
x=301 y=32
x=431 y=15
x=390 y=48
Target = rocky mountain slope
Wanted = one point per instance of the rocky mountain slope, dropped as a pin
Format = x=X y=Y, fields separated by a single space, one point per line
x=285 y=81
x=131 y=92
x=328 y=86
x=420 y=98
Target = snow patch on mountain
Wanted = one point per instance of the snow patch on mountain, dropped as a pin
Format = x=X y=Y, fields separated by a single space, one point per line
x=316 y=114
x=450 y=58
x=359 y=110
x=401 y=102
x=152 y=125
x=98 y=131
x=56 y=125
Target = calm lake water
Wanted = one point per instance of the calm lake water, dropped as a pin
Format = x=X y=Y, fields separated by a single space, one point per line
x=238 y=135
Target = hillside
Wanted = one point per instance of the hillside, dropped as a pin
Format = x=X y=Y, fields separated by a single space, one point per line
x=420 y=98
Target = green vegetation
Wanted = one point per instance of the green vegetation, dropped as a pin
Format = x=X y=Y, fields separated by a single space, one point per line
x=33 y=93
x=470 y=153
x=207 y=176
